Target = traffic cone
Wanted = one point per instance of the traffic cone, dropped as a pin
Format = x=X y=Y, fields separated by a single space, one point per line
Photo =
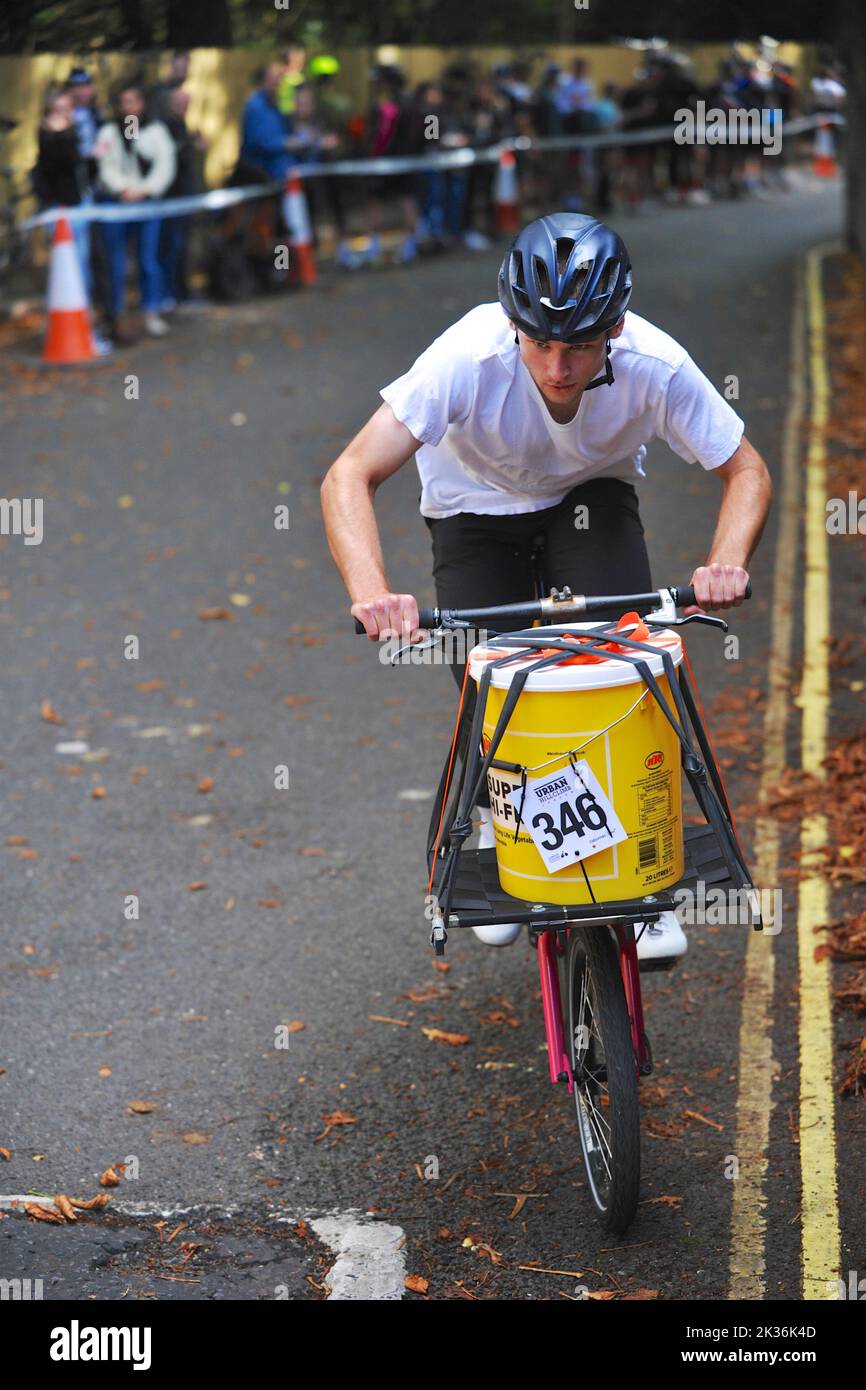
x=506 y=197
x=70 y=338
x=297 y=219
x=824 y=152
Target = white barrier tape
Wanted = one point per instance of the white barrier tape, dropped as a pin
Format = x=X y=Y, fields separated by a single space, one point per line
x=220 y=198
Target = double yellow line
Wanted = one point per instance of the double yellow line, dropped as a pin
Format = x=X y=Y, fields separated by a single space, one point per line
x=820 y=1239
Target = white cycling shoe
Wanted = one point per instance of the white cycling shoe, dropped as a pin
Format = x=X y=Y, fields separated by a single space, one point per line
x=504 y=933
x=661 y=941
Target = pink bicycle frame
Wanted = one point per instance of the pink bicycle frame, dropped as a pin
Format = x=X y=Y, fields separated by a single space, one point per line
x=549 y=949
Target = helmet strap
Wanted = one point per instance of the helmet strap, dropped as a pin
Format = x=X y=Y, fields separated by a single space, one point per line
x=608 y=378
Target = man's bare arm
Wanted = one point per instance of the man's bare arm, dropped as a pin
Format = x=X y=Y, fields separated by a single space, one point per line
x=748 y=492
x=348 y=488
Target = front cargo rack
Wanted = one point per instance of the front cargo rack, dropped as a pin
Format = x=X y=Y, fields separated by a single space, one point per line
x=464 y=884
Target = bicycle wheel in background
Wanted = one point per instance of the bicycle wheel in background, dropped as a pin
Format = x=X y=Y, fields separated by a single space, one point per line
x=605 y=1074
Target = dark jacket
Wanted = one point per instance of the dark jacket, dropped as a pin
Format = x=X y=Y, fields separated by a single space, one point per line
x=59 y=173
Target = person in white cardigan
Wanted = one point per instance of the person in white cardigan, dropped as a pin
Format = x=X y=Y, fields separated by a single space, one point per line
x=136 y=162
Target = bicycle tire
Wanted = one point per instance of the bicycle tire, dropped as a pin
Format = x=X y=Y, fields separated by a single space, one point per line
x=603 y=1053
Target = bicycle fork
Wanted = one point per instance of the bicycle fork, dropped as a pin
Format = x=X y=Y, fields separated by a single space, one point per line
x=549 y=949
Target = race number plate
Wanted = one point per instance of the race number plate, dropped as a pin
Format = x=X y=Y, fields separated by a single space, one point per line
x=568 y=816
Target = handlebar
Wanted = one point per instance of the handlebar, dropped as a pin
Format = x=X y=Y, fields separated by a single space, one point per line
x=561 y=605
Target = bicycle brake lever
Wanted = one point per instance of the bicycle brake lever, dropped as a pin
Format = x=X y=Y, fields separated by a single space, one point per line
x=666 y=615
x=697 y=618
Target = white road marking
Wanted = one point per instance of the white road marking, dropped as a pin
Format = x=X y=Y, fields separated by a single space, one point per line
x=370 y=1263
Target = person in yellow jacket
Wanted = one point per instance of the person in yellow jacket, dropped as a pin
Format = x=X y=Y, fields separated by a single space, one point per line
x=295 y=59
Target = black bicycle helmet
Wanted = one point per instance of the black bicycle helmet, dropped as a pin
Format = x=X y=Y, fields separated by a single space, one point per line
x=566 y=277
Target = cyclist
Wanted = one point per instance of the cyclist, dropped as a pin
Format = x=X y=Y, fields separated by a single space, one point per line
x=513 y=440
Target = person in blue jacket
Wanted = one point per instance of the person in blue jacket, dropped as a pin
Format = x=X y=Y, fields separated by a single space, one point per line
x=265 y=132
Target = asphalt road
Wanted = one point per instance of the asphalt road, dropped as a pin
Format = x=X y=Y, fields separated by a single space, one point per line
x=311 y=904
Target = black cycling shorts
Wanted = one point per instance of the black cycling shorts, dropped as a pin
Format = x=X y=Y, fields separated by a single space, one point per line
x=481 y=560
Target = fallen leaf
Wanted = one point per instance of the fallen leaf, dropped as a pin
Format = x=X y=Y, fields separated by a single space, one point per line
x=40 y=1213
x=64 y=1206
x=212 y=615
x=417 y=1283
x=93 y=1203
x=453 y=1039
x=269 y=902
x=197 y=886
x=194 y=1138
x=140 y=1107
x=49 y=713
x=206 y=784
x=98 y=793
x=109 y=1178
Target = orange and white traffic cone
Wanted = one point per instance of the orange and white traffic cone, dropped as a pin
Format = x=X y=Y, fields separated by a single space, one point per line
x=69 y=339
x=824 y=152
x=297 y=218
x=506 y=196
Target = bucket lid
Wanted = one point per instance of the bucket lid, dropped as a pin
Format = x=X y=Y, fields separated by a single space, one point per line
x=568 y=674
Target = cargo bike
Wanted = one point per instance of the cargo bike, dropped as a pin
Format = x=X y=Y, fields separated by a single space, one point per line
x=581 y=733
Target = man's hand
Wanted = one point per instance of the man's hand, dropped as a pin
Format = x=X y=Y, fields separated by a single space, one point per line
x=718 y=586
x=389 y=615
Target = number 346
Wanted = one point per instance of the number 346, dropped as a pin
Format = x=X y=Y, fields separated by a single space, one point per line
x=585 y=814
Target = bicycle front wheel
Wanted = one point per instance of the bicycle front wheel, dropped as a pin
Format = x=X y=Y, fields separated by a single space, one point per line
x=605 y=1074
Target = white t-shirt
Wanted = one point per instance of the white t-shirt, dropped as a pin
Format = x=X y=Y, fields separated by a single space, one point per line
x=490 y=444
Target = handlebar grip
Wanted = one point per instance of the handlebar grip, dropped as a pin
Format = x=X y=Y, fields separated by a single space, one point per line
x=686 y=594
x=427 y=618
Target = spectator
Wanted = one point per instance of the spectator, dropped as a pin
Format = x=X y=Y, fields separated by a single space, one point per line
x=488 y=115
x=174 y=238
x=137 y=162
x=608 y=117
x=161 y=93
x=294 y=62
x=390 y=131
x=332 y=112
x=87 y=120
x=639 y=112
x=59 y=175
x=265 y=130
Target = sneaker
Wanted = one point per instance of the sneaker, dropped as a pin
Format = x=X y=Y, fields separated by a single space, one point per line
x=121 y=333
x=372 y=251
x=476 y=241
x=660 y=941
x=408 y=250
x=346 y=257
x=503 y=934
x=154 y=326
x=698 y=197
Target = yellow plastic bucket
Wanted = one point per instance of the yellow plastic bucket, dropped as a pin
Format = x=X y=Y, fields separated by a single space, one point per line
x=603 y=714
